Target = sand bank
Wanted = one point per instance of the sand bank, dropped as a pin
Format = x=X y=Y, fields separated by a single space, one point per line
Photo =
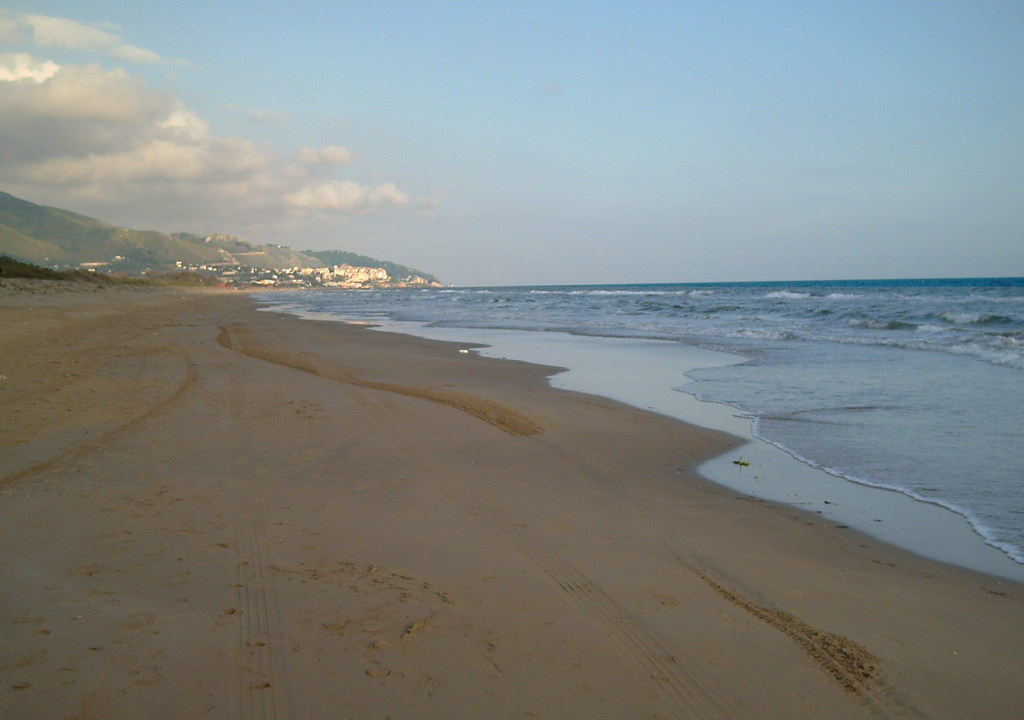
x=207 y=511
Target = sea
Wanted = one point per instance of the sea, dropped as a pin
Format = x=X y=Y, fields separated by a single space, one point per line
x=887 y=394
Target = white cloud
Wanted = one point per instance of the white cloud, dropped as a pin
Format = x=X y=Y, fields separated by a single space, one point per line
x=71 y=34
x=15 y=67
x=137 y=55
x=200 y=159
x=87 y=125
x=273 y=118
x=77 y=112
x=345 y=195
x=76 y=133
x=157 y=159
x=58 y=32
x=81 y=131
x=330 y=155
x=267 y=118
x=186 y=124
x=10 y=29
x=86 y=92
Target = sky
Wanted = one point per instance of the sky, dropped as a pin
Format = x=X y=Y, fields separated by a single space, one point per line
x=497 y=143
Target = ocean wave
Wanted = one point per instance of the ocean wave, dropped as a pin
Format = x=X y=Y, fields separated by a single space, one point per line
x=758 y=334
x=609 y=293
x=1010 y=299
x=1011 y=356
x=788 y=295
x=732 y=314
x=882 y=324
x=996 y=356
x=975 y=318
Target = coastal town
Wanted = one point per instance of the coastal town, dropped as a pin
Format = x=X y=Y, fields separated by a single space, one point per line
x=350 y=277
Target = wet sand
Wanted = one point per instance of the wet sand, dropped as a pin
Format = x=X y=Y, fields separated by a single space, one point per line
x=208 y=511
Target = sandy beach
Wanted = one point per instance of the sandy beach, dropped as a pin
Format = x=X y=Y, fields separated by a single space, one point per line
x=209 y=511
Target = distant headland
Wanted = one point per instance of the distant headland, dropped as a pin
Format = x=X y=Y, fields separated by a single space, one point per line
x=64 y=240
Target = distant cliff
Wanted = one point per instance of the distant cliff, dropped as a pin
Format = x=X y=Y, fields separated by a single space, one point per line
x=62 y=239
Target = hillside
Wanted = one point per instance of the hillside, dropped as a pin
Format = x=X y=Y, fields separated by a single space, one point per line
x=62 y=239
x=233 y=250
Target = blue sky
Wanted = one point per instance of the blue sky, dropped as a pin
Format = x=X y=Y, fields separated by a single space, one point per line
x=504 y=143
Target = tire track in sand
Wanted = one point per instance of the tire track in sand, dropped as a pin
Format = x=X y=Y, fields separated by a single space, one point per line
x=690 y=691
x=686 y=688
x=189 y=377
x=853 y=667
x=256 y=606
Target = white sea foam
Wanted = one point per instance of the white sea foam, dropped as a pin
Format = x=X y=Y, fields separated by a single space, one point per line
x=788 y=295
x=960 y=318
x=759 y=334
x=984 y=531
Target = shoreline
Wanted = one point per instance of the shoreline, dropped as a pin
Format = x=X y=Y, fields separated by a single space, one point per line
x=210 y=509
x=929 y=528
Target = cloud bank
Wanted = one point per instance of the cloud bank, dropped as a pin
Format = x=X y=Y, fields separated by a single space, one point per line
x=330 y=155
x=345 y=195
x=83 y=132
x=45 y=31
x=22 y=66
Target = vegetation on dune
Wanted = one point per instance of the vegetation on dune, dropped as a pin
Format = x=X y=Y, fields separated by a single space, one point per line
x=11 y=268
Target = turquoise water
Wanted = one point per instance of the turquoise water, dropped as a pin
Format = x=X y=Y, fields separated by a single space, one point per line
x=912 y=385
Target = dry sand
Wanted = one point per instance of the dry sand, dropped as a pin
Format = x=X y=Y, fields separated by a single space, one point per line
x=207 y=511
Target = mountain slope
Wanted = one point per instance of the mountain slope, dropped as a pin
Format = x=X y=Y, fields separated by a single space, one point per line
x=51 y=236
x=233 y=250
x=60 y=238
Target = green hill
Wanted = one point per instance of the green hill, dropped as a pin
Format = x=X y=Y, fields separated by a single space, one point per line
x=232 y=250
x=62 y=239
